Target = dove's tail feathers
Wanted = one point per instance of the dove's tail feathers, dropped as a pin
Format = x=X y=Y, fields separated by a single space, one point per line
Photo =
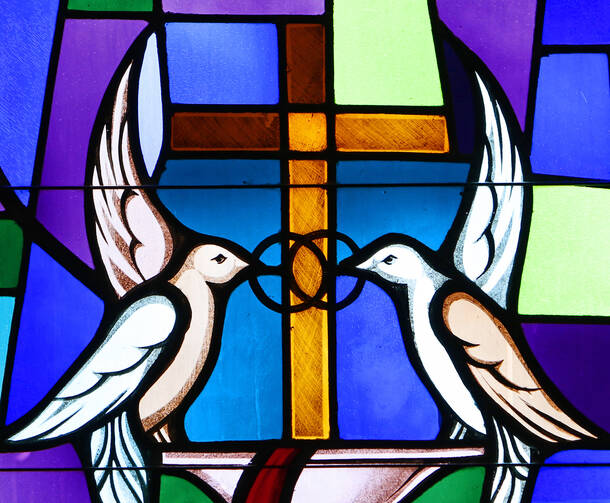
x=511 y=473
x=118 y=464
x=458 y=431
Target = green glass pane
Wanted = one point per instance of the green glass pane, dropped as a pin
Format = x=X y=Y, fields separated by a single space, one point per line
x=462 y=486
x=178 y=490
x=11 y=239
x=384 y=53
x=567 y=264
x=104 y=5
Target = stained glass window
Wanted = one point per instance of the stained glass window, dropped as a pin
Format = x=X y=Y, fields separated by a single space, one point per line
x=304 y=250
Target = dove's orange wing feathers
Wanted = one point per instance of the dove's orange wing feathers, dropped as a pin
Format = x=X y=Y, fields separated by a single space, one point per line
x=499 y=368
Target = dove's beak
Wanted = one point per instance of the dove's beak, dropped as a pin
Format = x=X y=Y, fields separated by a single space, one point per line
x=346 y=266
x=353 y=265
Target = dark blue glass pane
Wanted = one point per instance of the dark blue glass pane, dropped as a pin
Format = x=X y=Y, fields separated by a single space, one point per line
x=59 y=318
x=462 y=100
x=576 y=22
x=574 y=484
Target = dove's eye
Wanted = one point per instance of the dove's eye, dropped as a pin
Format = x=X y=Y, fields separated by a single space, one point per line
x=389 y=259
x=219 y=259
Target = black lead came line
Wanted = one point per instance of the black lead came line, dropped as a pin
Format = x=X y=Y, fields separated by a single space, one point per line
x=321 y=465
x=542 y=183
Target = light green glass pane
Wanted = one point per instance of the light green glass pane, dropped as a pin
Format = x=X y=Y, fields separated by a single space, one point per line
x=178 y=490
x=567 y=263
x=462 y=486
x=384 y=53
x=6 y=317
x=11 y=245
x=105 y=5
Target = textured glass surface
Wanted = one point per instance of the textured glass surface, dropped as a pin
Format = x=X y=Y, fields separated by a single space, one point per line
x=366 y=73
x=569 y=235
x=304 y=251
x=27 y=36
x=7 y=305
x=222 y=63
x=86 y=64
x=49 y=314
x=111 y=5
x=255 y=7
x=576 y=22
x=572 y=110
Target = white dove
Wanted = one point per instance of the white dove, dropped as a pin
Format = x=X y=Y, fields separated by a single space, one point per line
x=452 y=306
x=159 y=339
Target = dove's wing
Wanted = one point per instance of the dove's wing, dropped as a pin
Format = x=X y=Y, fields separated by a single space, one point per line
x=500 y=370
x=488 y=240
x=111 y=375
x=133 y=239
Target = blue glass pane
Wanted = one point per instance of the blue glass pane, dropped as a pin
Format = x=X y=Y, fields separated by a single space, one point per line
x=243 y=398
x=245 y=216
x=426 y=213
x=373 y=402
x=59 y=318
x=27 y=30
x=576 y=22
x=223 y=63
x=6 y=317
x=574 y=484
x=150 y=107
x=572 y=114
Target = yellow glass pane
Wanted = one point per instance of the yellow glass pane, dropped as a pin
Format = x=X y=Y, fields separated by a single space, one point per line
x=309 y=328
x=307 y=132
x=391 y=133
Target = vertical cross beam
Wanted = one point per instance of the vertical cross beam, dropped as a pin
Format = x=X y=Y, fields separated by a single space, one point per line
x=309 y=328
x=309 y=361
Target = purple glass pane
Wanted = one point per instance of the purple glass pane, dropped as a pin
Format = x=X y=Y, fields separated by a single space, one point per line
x=48 y=486
x=91 y=51
x=303 y=7
x=574 y=358
x=501 y=33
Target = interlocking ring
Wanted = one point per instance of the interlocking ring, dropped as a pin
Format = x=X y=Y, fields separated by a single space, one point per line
x=286 y=270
